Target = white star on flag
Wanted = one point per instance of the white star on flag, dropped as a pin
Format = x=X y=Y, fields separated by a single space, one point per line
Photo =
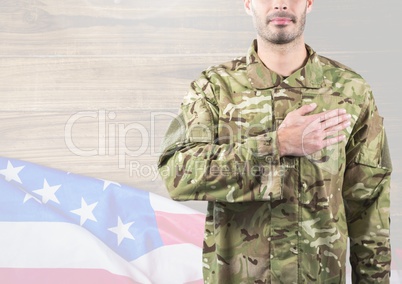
x=11 y=173
x=106 y=183
x=85 y=212
x=48 y=192
x=122 y=231
x=69 y=228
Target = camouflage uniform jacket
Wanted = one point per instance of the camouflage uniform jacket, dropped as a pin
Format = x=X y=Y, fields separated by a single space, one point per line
x=278 y=219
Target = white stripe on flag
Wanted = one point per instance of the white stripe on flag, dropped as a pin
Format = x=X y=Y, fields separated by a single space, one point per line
x=64 y=245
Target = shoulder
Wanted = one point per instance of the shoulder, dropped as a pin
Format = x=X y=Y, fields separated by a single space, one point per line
x=227 y=69
x=339 y=72
x=351 y=86
x=225 y=78
x=344 y=79
x=218 y=80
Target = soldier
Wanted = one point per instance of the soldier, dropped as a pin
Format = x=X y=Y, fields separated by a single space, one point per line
x=290 y=152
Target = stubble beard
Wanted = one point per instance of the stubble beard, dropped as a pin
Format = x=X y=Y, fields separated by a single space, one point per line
x=280 y=37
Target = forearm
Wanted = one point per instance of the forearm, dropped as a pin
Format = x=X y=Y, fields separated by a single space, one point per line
x=370 y=253
x=235 y=172
x=366 y=193
x=367 y=203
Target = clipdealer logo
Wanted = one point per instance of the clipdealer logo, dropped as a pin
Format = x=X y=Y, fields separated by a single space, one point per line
x=112 y=137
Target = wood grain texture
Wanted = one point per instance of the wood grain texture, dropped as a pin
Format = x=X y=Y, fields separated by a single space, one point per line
x=127 y=64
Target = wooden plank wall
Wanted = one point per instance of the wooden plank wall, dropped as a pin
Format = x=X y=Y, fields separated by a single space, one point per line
x=84 y=81
x=90 y=86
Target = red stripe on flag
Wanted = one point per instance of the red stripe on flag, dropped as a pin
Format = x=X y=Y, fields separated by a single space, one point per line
x=60 y=276
x=181 y=228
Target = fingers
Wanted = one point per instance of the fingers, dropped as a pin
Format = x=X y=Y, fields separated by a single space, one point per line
x=309 y=133
x=327 y=126
x=329 y=114
x=305 y=109
x=333 y=140
x=336 y=123
x=331 y=128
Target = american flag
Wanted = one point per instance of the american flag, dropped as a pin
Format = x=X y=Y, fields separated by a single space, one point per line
x=58 y=227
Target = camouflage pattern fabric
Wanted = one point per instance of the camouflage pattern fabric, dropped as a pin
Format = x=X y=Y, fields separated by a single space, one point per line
x=278 y=219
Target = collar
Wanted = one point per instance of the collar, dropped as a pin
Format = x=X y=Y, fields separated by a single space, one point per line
x=308 y=76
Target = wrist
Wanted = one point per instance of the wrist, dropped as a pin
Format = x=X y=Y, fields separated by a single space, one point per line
x=280 y=143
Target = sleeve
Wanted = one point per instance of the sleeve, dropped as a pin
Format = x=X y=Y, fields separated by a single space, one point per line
x=197 y=165
x=366 y=193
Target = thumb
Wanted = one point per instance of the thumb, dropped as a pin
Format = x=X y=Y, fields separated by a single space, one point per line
x=306 y=109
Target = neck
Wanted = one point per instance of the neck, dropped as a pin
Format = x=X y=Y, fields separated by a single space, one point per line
x=283 y=59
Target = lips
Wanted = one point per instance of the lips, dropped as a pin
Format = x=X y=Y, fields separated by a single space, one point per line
x=281 y=18
x=281 y=21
